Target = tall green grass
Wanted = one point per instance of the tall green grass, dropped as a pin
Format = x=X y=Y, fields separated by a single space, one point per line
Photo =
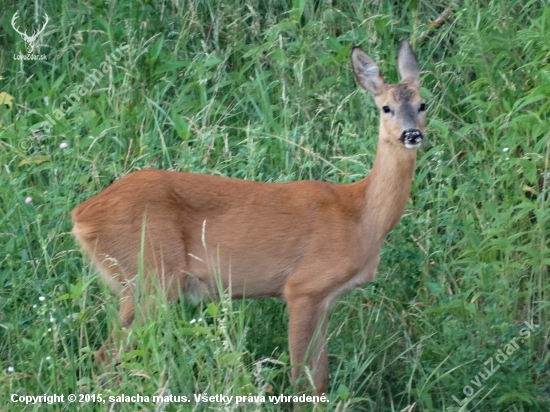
x=262 y=90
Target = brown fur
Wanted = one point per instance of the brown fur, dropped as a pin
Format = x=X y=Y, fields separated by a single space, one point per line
x=308 y=242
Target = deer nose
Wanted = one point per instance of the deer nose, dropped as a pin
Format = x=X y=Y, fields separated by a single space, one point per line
x=411 y=137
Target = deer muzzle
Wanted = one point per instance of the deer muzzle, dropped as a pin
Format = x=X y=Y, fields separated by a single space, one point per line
x=411 y=138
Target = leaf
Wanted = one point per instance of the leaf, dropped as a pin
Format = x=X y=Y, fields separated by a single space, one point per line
x=182 y=126
x=382 y=24
x=343 y=392
x=425 y=93
x=517 y=397
x=532 y=98
x=6 y=98
x=82 y=316
x=527 y=188
x=134 y=353
x=171 y=66
x=212 y=61
x=441 y=127
x=298 y=7
x=212 y=309
x=36 y=160
x=230 y=358
x=77 y=292
x=58 y=82
x=155 y=50
x=334 y=44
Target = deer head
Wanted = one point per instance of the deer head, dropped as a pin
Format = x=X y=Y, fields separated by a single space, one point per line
x=403 y=111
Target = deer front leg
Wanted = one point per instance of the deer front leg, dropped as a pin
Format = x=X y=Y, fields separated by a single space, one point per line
x=307 y=341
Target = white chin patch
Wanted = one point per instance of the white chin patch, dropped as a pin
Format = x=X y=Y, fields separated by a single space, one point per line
x=412 y=145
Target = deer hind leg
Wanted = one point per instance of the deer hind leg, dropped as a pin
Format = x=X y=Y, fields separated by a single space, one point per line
x=109 y=350
x=162 y=278
x=115 y=274
x=309 y=316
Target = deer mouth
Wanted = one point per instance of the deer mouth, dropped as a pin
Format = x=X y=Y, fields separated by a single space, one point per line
x=412 y=139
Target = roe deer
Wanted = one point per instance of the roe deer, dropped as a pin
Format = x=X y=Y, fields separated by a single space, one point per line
x=308 y=242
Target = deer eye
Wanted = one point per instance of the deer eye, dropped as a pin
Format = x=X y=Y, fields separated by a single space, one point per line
x=422 y=107
x=386 y=109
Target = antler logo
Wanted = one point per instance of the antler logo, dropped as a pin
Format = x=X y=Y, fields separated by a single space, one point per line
x=30 y=40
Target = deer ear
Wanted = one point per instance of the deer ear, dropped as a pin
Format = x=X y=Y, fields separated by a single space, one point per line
x=367 y=72
x=407 y=63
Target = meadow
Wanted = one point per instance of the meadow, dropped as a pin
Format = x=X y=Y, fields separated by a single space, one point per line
x=263 y=90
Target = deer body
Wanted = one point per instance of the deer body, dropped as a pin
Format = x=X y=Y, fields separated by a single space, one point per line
x=307 y=241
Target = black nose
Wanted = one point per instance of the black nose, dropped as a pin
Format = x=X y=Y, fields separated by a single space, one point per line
x=412 y=136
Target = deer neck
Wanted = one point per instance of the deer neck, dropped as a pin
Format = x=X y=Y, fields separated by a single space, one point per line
x=386 y=190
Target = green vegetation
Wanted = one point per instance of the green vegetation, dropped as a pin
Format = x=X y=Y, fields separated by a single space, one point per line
x=263 y=90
